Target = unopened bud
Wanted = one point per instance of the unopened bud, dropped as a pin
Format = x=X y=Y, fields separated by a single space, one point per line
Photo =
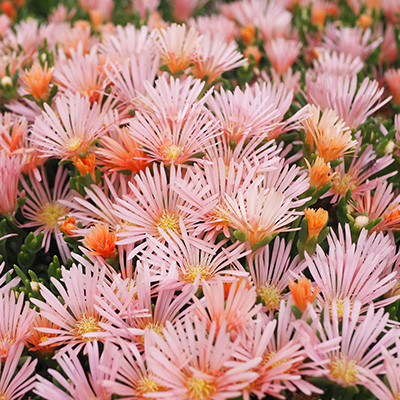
x=389 y=148
x=361 y=221
x=6 y=82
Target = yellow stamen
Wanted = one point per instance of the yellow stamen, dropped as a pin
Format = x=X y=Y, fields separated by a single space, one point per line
x=200 y=389
x=50 y=213
x=341 y=184
x=87 y=324
x=271 y=296
x=73 y=144
x=194 y=271
x=170 y=153
x=169 y=221
x=147 y=385
x=344 y=371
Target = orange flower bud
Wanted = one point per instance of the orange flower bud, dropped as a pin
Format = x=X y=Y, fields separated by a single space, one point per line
x=365 y=21
x=301 y=292
x=101 y=241
x=68 y=226
x=7 y=8
x=316 y=221
x=247 y=33
x=86 y=164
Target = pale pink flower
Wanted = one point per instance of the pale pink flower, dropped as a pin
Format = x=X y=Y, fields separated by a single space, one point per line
x=231 y=305
x=391 y=9
x=105 y=7
x=341 y=93
x=270 y=270
x=196 y=260
x=282 y=53
x=127 y=41
x=382 y=204
x=152 y=205
x=5 y=23
x=184 y=9
x=14 y=385
x=15 y=320
x=196 y=362
x=10 y=173
x=144 y=6
x=133 y=380
x=354 y=41
x=70 y=130
x=336 y=63
x=81 y=73
x=77 y=384
x=391 y=368
x=388 y=49
x=5 y=286
x=76 y=321
x=44 y=210
x=356 y=176
x=359 y=357
x=214 y=56
x=215 y=24
x=252 y=112
x=353 y=271
x=176 y=46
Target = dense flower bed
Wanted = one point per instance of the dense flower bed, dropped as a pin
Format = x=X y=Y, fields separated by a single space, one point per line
x=200 y=200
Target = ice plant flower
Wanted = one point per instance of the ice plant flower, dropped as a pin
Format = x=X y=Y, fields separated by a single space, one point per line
x=320 y=172
x=71 y=129
x=37 y=81
x=195 y=362
x=14 y=385
x=44 y=210
x=301 y=292
x=270 y=269
x=176 y=46
x=392 y=77
x=78 y=386
x=353 y=271
x=10 y=172
x=101 y=241
x=282 y=53
x=331 y=137
x=76 y=321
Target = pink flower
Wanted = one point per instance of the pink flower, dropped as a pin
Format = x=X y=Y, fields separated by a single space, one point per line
x=359 y=357
x=77 y=384
x=15 y=320
x=231 y=305
x=14 y=385
x=71 y=130
x=337 y=63
x=184 y=9
x=270 y=270
x=392 y=77
x=215 y=24
x=353 y=104
x=282 y=53
x=10 y=173
x=44 y=210
x=194 y=362
x=76 y=319
x=353 y=272
x=214 y=56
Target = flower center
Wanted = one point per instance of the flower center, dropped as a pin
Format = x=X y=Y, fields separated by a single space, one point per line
x=271 y=296
x=147 y=385
x=169 y=221
x=171 y=152
x=87 y=324
x=193 y=271
x=341 y=184
x=344 y=371
x=50 y=213
x=200 y=389
x=73 y=144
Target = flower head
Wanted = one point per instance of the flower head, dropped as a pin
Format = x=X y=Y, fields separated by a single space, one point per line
x=301 y=292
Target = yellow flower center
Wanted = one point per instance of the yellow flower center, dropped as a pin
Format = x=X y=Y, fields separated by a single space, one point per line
x=341 y=184
x=344 y=371
x=271 y=296
x=147 y=385
x=50 y=213
x=200 y=389
x=169 y=221
x=170 y=153
x=339 y=308
x=87 y=324
x=193 y=271
x=73 y=144
x=43 y=339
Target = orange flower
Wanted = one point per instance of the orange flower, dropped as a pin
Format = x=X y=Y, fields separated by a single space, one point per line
x=247 y=33
x=318 y=16
x=365 y=21
x=316 y=221
x=101 y=241
x=68 y=226
x=252 y=51
x=37 y=80
x=7 y=8
x=301 y=292
x=86 y=164
x=37 y=338
x=319 y=173
x=331 y=136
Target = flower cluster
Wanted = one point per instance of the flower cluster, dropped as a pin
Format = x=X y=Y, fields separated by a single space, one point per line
x=200 y=200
